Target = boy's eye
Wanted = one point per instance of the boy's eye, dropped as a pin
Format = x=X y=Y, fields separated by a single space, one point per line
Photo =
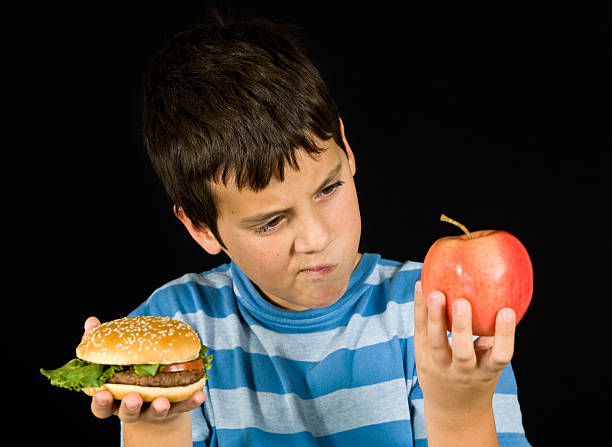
x=329 y=190
x=270 y=225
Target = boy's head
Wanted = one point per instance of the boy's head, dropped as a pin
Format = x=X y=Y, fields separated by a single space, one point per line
x=235 y=101
x=247 y=140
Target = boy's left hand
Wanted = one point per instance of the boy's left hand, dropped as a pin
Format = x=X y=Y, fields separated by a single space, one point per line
x=458 y=379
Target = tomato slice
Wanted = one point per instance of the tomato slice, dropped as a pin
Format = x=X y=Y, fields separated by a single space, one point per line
x=175 y=367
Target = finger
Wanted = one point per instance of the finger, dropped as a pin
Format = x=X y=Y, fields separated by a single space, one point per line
x=102 y=404
x=129 y=410
x=420 y=312
x=158 y=410
x=193 y=402
x=436 y=327
x=503 y=345
x=91 y=323
x=462 y=344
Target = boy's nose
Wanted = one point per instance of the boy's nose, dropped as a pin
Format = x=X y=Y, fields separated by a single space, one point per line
x=313 y=235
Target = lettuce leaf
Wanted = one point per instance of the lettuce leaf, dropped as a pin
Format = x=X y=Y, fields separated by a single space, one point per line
x=146 y=370
x=78 y=374
x=207 y=358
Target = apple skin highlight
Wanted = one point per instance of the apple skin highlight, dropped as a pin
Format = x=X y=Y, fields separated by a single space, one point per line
x=492 y=270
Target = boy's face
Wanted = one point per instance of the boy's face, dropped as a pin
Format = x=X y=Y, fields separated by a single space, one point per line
x=298 y=239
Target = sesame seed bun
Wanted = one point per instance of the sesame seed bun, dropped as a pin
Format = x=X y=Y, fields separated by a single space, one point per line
x=148 y=393
x=140 y=340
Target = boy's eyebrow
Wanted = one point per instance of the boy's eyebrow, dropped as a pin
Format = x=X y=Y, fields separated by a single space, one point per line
x=258 y=218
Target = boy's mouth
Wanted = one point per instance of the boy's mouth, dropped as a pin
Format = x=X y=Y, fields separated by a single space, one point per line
x=318 y=271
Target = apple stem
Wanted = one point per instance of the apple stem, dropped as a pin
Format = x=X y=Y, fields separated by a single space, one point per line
x=444 y=218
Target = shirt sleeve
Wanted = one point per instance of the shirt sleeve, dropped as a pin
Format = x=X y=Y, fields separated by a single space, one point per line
x=506 y=409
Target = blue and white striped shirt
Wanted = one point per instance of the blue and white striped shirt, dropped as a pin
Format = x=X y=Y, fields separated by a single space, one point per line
x=340 y=376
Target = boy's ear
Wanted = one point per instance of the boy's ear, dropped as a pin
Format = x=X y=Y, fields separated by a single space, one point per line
x=349 y=152
x=202 y=235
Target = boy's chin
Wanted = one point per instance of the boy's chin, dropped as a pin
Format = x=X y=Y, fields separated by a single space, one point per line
x=325 y=298
x=316 y=295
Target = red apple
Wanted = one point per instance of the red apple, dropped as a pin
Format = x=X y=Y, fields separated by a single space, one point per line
x=491 y=269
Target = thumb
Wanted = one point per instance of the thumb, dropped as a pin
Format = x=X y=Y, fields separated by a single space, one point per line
x=91 y=323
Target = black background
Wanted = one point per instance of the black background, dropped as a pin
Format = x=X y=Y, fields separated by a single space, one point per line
x=497 y=115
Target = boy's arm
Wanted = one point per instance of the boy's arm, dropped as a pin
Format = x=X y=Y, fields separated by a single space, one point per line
x=177 y=433
x=458 y=381
x=159 y=423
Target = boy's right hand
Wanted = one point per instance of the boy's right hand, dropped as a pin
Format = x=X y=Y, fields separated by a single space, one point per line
x=132 y=409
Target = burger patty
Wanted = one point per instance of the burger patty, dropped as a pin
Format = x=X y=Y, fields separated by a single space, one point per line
x=162 y=379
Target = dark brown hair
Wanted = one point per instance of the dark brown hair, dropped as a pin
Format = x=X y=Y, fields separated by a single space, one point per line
x=235 y=101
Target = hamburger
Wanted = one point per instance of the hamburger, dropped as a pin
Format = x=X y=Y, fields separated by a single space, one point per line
x=153 y=356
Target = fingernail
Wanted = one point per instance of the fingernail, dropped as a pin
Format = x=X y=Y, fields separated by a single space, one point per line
x=508 y=315
x=162 y=406
x=100 y=400
x=459 y=307
x=436 y=299
x=417 y=287
x=131 y=405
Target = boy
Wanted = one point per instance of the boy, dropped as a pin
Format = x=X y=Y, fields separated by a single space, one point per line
x=314 y=343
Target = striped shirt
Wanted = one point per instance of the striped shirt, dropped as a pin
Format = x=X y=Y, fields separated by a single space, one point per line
x=340 y=376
